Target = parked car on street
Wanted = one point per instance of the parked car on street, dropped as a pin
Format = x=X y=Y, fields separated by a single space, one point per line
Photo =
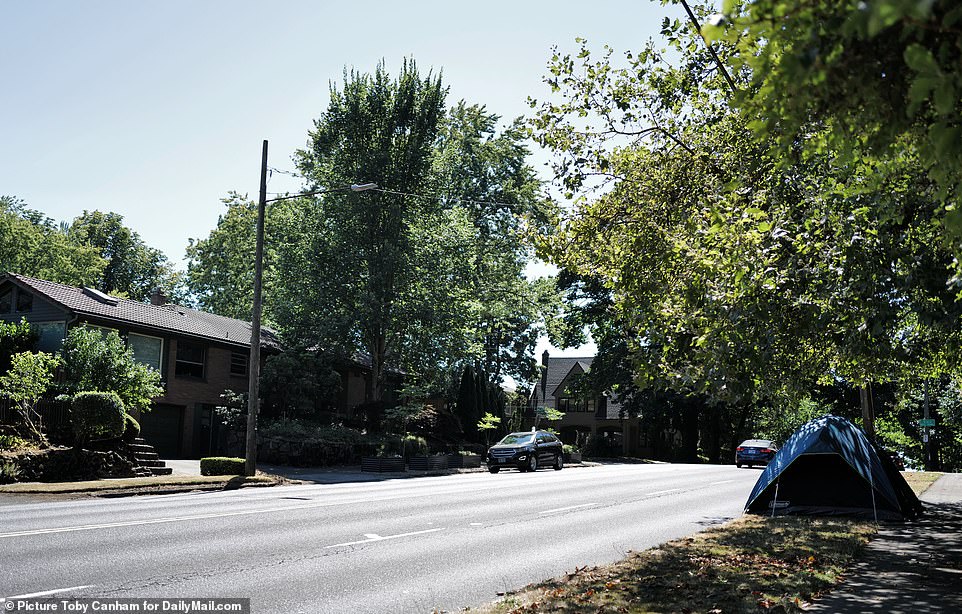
x=526 y=452
x=753 y=452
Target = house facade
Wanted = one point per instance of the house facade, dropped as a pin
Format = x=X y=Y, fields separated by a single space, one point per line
x=199 y=355
x=584 y=415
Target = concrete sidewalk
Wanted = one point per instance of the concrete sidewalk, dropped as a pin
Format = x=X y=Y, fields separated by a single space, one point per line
x=912 y=567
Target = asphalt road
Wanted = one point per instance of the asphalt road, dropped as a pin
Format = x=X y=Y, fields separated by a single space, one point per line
x=408 y=545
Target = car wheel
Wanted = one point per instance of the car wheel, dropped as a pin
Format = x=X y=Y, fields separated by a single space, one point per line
x=739 y=465
x=494 y=469
x=749 y=465
x=533 y=463
x=558 y=463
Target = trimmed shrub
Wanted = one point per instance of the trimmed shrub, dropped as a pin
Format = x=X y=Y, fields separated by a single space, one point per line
x=97 y=415
x=131 y=428
x=221 y=465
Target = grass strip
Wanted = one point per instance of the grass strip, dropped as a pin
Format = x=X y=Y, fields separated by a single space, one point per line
x=133 y=483
x=750 y=564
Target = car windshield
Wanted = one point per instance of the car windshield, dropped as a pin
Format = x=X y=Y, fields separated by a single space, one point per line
x=516 y=438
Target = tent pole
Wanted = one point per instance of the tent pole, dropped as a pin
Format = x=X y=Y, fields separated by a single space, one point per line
x=775 y=501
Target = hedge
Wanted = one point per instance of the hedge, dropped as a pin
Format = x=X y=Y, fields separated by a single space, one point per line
x=221 y=465
x=97 y=415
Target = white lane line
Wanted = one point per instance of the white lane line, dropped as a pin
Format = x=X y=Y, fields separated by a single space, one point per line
x=571 y=507
x=135 y=523
x=45 y=593
x=373 y=537
x=722 y=482
x=662 y=492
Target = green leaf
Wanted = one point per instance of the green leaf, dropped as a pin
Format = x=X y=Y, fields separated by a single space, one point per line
x=920 y=59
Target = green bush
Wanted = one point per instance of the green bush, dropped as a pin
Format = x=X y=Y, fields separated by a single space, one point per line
x=97 y=415
x=569 y=449
x=414 y=445
x=131 y=428
x=9 y=472
x=221 y=465
x=12 y=443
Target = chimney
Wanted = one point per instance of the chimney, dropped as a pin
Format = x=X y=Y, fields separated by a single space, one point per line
x=157 y=297
x=544 y=374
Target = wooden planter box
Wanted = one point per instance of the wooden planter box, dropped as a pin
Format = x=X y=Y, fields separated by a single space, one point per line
x=427 y=463
x=464 y=461
x=382 y=464
x=572 y=457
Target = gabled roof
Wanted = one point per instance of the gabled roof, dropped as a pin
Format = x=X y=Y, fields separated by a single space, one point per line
x=559 y=369
x=167 y=318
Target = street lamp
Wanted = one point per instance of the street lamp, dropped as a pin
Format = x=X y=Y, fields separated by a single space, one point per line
x=253 y=391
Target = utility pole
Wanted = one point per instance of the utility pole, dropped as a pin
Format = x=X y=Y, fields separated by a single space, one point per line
x=868 y=410
x=253 y=390
x=926 y=435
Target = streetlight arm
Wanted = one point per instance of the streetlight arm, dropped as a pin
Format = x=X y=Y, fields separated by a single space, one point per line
x=354 y=187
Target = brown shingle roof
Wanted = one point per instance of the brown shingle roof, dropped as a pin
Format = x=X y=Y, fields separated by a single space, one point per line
x=169 y=318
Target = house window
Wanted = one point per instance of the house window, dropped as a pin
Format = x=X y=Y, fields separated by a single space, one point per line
x=147 y=350
x=24 y=301
x=190 y=360
x=6 y=301
x=590 y=405
x=564 y=405
x=238 y=364
x=50 y=335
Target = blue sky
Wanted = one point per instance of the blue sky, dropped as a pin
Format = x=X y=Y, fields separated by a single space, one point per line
x=156 y=110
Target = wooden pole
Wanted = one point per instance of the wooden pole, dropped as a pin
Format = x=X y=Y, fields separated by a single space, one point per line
x=253 y=390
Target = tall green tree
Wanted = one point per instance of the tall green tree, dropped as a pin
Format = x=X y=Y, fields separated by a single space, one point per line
x=734 y=274
x=881 y=78
x=133 y=268
x=360 y=264
x=33 y=244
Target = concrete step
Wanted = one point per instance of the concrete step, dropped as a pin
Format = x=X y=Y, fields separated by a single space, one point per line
x=151 y=463
x=161 y=470
x=140 y=447
x=142 y=456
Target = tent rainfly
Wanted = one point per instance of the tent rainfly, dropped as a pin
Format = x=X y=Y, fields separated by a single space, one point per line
x=829 y=467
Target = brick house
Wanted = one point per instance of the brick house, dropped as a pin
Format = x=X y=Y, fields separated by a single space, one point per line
x=198 y=354
x=583 y=415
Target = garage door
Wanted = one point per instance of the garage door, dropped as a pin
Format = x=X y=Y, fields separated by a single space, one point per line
x=162 y=427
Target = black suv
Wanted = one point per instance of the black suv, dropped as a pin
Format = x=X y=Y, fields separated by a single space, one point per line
x=526 y=451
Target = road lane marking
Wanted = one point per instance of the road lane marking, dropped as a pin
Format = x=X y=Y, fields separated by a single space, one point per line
x=374 y=537
x=135 y=523
x=662 y=492
x=722 y=482
x=53 y=592
x=570 y=507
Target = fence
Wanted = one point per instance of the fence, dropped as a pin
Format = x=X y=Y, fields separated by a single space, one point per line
x=53 y=413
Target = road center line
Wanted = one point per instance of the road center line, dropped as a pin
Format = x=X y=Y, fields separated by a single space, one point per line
x=565 y=509
x=662 y=492
x=722 y=482
x=45 y=593
x=373 y=537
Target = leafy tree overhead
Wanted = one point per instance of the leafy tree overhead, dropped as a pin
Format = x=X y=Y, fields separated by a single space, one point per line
x=133 y=268
x=732 y=273
x=33 y=244
x=880 y=78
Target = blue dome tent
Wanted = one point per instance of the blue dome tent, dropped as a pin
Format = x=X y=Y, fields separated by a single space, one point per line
x=829 y=467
